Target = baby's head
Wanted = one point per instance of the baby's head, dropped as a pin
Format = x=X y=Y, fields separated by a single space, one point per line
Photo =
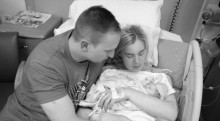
x=151 y=89
x=132 y=49
x=159 y=90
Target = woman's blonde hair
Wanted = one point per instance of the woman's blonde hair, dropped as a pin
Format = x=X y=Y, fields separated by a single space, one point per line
x=130 y=34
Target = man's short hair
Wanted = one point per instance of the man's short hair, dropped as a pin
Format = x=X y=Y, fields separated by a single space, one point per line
x=98 y=19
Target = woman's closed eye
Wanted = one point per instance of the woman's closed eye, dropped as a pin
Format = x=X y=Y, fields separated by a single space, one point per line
x=129 y=55
x=141 y=52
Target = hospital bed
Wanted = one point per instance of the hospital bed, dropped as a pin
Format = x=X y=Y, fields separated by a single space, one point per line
x=168 y=49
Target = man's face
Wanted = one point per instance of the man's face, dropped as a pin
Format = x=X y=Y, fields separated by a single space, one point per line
x=105 y=48
x=134 y=55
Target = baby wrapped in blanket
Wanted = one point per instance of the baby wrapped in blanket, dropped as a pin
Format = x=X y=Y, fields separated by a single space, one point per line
x=154 y=84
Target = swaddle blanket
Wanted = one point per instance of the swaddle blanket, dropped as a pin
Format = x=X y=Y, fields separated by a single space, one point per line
x=114 y=79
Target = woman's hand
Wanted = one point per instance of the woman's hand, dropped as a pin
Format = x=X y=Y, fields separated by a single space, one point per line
x=166 y=71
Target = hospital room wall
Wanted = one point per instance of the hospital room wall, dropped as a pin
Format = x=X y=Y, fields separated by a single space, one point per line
x=5 y=6
x=56 y=7
x=187 y=17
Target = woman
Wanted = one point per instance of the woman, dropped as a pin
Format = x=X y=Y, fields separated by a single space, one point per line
x=130 y=55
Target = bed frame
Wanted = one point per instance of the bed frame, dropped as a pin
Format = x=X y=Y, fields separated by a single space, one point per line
x=191 y=93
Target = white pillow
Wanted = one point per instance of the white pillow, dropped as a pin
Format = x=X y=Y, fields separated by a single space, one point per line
x=67 y=25
x=153 y=35
x=145 y=12
x=170 y=36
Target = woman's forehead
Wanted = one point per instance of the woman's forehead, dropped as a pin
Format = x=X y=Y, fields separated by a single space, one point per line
x=137 y=46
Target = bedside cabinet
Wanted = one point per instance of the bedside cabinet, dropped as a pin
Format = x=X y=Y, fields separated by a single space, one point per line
x=29 y=38
x=26 y=46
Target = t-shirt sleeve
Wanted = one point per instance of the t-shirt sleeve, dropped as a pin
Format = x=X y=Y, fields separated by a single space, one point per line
x=46 y=83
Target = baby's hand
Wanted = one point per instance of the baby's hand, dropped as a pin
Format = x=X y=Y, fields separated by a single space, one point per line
x=167 y=71
x=163 y=89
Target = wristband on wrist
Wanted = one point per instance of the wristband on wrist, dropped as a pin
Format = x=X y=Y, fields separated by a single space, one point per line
x=94 y=115
x=117 y=93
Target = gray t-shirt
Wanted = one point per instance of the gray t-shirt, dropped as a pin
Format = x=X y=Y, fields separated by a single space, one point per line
x=50 y=73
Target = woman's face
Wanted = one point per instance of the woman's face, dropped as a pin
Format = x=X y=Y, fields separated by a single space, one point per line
x=134 y=55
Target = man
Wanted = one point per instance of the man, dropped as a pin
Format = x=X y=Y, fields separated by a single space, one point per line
x=61 y=69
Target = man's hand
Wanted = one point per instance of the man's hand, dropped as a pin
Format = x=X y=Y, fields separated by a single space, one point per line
x=110 y=97
x=106 y=100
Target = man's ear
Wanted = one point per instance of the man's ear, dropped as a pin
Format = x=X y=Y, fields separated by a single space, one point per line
x=84 y=45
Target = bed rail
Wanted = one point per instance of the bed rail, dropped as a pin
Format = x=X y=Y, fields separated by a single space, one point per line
x=191 y=93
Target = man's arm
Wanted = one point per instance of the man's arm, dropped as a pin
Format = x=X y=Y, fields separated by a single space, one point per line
x=61 y=110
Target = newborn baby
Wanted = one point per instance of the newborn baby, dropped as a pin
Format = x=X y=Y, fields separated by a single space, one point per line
x=154 y=84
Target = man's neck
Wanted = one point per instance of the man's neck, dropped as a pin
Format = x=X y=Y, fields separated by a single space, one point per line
x=75 y=52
